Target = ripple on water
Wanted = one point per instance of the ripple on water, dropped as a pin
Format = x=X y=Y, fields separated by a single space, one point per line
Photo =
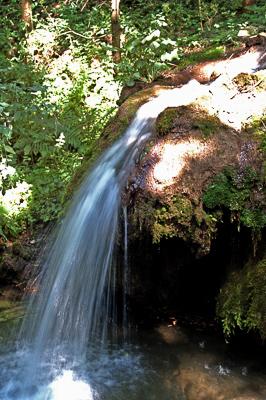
x=151 y=370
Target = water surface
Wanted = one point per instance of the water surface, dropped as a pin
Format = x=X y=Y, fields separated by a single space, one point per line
x=166 y=363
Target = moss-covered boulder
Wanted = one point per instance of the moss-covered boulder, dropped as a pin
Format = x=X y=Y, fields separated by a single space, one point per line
x=194 y=170
x=205 y=168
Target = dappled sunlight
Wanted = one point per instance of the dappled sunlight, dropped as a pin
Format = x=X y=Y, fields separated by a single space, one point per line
x=5 y=170
x=63 y=73
x=174 y=157
x=41 y=41
x=234 y=107
x=16 y=199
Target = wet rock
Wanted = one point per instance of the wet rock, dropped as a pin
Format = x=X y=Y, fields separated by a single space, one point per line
x=19 y=262
x=172 y=334
x=199 y=385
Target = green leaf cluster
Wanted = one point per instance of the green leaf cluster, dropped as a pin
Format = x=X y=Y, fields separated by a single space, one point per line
x=162 y=34
x=235 y=191
x=242 y=303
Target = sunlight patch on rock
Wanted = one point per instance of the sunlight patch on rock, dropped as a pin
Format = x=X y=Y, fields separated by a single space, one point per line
x=173 y=159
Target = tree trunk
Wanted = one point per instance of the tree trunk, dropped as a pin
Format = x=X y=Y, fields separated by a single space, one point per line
x=200 y=15
x=26 y=14
x=116 y=31
x=247 y=3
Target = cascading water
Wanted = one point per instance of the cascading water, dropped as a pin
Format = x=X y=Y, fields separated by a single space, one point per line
x=126 y=327
x=71 y=310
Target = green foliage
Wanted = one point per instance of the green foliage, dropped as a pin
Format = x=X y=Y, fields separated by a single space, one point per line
x=236 y=192
x=159 y=35
x=52 y=109
x=7 y=225
x=49 y=181
x=242 y=302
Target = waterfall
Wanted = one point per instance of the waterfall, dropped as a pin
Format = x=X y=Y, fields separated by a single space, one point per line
x=126 y=285
x=71 y=309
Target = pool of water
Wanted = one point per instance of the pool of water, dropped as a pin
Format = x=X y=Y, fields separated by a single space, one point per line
x=166 y=363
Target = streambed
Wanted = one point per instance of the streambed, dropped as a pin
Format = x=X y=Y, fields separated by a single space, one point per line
x=165 y=363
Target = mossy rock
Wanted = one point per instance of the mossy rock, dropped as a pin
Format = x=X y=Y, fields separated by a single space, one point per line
x=248 y=82
x=192 y=117
x=176 y=217
x=242 y=301
x=165 y=121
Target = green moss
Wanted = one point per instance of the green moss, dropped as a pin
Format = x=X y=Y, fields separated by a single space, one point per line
x=253 y=218
x=209 y=54
x=242 y=301
x=237 y=192
x=207 y=124
x=176 y=217
x=257 y=127
x=172 y=219
x=192 y=117
x=165 y=121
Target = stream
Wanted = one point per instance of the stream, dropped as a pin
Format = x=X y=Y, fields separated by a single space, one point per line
x=166 y=363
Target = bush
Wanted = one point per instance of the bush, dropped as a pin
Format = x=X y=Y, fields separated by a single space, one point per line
x=242 y=302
